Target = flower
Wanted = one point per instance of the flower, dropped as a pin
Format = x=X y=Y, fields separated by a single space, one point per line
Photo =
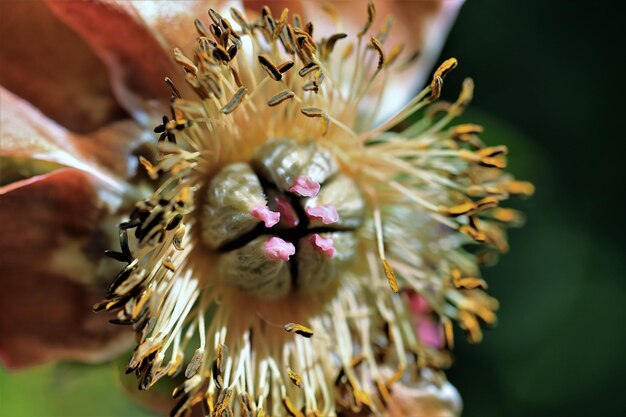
x=77 y=105
x=297 y=258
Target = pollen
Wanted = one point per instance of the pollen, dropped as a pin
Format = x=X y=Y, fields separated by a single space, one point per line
x=290 y=242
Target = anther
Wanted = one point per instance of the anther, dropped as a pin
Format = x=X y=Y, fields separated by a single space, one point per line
x=271 y=69
x=235 y=101
x=381 y=51
x=298 y=329
x=280 y=97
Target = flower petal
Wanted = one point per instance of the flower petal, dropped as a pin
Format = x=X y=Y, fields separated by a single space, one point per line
x=423 y=26
x=69 y=84
x=426 y=398
x=104 y=153
x=53 y=270
x=136 y=60
x=172 y=21
x=253 y=7
x=429 y=331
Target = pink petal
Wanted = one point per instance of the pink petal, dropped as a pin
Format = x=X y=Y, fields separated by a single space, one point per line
x=323 y=245
x=305 y=187
x=429 y=331
x=270 y=218
x=327 y=213
x=417 y=303
x=53 y=270
x=278 y=249
x=46 y=63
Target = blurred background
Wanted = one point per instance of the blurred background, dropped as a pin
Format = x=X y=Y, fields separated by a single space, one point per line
x=549 y=85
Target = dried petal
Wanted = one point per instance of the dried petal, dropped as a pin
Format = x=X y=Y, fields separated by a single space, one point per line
x=55 y=219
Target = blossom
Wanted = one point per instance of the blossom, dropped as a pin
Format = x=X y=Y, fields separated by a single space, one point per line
x=75 y=105
x=279 y=262
x=311 y=220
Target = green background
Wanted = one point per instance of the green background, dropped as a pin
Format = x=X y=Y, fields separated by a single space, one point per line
x=552 y=70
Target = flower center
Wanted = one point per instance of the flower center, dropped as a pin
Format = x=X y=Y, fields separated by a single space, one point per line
x=283 y=222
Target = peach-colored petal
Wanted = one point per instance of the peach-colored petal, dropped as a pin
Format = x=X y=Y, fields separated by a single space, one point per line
x=112 y=147
x=53 y=270
x=431 y=396
x=137 y=61
x=46 y=63
x=426 y=398
x=253 y=7
x=104 y=153
x=172 y=21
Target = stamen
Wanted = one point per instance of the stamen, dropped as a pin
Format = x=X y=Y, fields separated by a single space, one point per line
x=435 y=85
x=285 y=66
x=311 y=112
x=393 y=55
x=523 y=188
x=295 y=378
x=311 y=66
x=280 y=97
x=381 y=52
x=420 y=177
x=371 y=16
x=466 y=282
x=391 y=276
x=270 y=68
x=235 y=101
x=299 y=329
x=194 y=364
x=280 y=24
x=202 y=30
x=291 y=408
